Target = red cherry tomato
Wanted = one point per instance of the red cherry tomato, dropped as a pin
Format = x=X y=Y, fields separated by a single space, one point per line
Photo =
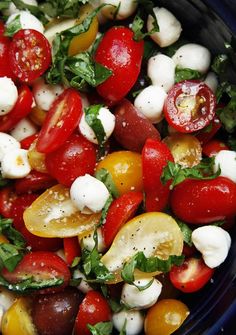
x=206 y=134
x=61 y=120
x=20 y=110
x=189 y=106
x=7 y=196
x=212 y=147
x=5 y=70
x=120 y=53
x=71 y=248
x=189 y=251
x=155 y=155
x=26 y=142
x=121 y=210
x=75 y=157
x=40 y=265
x=2 y=28
x=34 y=181
x=204 y=201
x=29 y=55
x=132 y=128
x=93 y=309
x=191 y=276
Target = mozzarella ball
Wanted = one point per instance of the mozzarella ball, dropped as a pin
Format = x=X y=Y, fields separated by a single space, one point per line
x=7 y=144
x=88 y=194
x=13 y=10
x=125 y=8
x=193 y=56
x=137 y=299
x=27 y=21
x=226 y=160
x=134 y=321
x=45 y=94
x=213 y=242
x=87 y=241
x=108 y=122
x=211 y=81
x=150 y=102
x=83 y=286
x=161 y=71
x=15 y=164
x=8 y=95
x=169 y=27
x=23 y=129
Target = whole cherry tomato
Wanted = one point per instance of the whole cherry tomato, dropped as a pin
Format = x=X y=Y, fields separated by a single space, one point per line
x=212 y=147
x=5 y=70
x=120 y=53
x=74 y=158
x=7 y=196
x=34 y=181
x=155 y=155
x=29 y=55
x=93 y=309
x=191 y=276
x=204 y=201
x=189 y=106
x=61 y=120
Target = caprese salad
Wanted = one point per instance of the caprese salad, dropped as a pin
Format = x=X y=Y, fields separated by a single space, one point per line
x=117 y=167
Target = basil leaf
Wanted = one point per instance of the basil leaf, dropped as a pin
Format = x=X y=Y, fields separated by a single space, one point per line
x=186 y=74
x=101 y=328
x=12 y=234
x=105 y=211
x=35 y=10
x=10 y=256
x=220 y=63
x=115 y=305
x=150 y=49
x=5 y=4
x=141 y=262
x=13 y=27
x=232 y=142
x=186 y=231
x=62 y=8
x=123 y=329
x=137 y=27
x=227 y=114
x=144 y=287
x=104 y=176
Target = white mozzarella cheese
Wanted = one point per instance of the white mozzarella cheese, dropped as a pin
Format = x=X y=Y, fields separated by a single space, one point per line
x=125 y=8
x=7 y=144
x=45 y=94
x=141 y=299
x=23 y=129
x=150 y=102
x=169 y=27
x=226 y=160
x=8 y=95
x=193 y=56
x=108 y=122
x=213 y=242
x=83 y=286
x=133 y=321
x=211 y=81
x=13 y=10
x=27 y=21
x=87 y=241
x=15 y=164
x=88 y=194
x=57 y=27
x=161 y=71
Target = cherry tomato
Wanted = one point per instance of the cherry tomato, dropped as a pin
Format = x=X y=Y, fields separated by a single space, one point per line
x=29 y=55
x=34 y=181
x=20 y=110
x=74 y=158
x=121 y=210
x=60 y=307
x=191 y=276
x=125 y=169
x=212 y=147
x=132 y=128
x=2 y=28
x=189 y=106
x=155 y=155
x=204 y=201
x=207 y=133
x=71 y=249
x=37 y=115
x=7 y=196
x=165 y=317
x=93 y=309
x=26 y=142
x=5 y=70
x=120 y=53
x=40 y=265
x=61 y=120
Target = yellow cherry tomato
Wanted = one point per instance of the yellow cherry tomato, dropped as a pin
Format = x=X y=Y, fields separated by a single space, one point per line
x=154 y=233
x=185 y=148
x=17 y=319
x=37 y=115
x=36 y=159
x=53 y=214
x=125 y=168
x=165 y=317
x=3 y=239
x=83 y=41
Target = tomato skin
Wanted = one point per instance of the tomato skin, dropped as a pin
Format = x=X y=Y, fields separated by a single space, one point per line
x=61 y=120
x=29 y=55
x=155 y=155
x=120 y=53
x=71 y=248
x=132 y=128
x=7 y=196
x=42 y=264
x=21 y=109
x=93 y=309
x=189 y=120
x=2 y=28
x=26 y=142
x=205 y=136
x=121 y=210
x=204 y=201
x=5 y=42
x=34 y=181
x=74 y=158
x=212 y=147
x=191 y=276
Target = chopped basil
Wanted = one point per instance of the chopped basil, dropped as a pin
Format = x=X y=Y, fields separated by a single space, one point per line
x=186 y=74
x=227 y=114
x=186 y=231
x=219 y=63
x=144 y=287
x=232 y=142
x=101 y=328
x=10 y=256
x=91 y=117
x=105 y=211
x=34 y=10
x=105 y=176
x=12 y=234
x=13 y=27
x=123 y=329
x=5 y=4
x=176 y=173
x=62 y=8
x=115 y=305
